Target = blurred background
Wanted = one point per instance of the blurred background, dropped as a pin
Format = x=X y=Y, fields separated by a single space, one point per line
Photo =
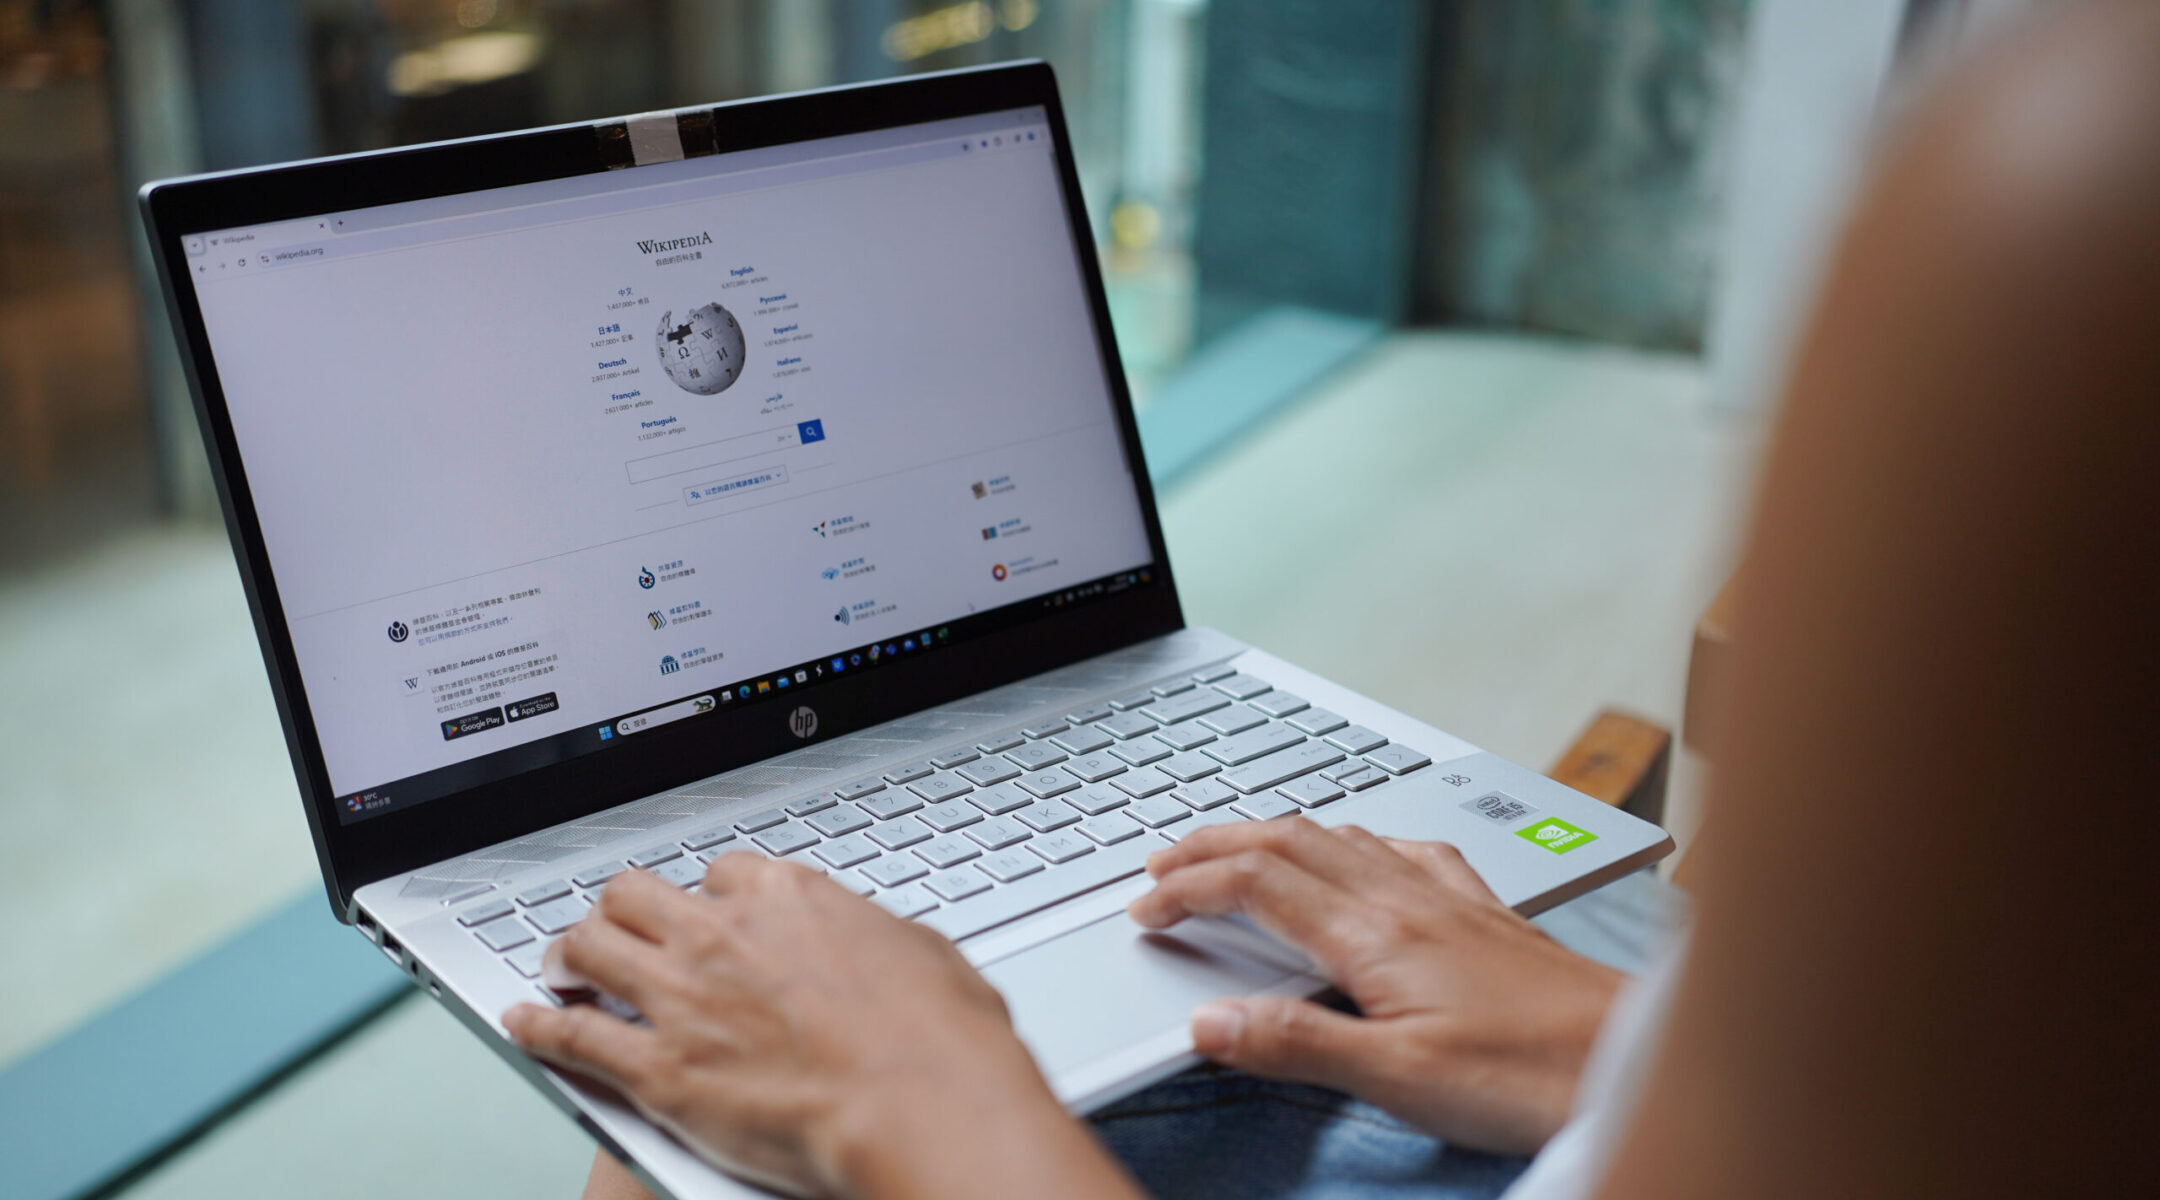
x=1489 y=290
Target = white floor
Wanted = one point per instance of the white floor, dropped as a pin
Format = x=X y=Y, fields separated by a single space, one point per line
x=1497 y=534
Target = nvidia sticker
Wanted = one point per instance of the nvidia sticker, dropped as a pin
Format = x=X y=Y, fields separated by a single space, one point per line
x=1556 y=836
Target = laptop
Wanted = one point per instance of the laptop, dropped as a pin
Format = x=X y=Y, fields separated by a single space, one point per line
x=761 y=479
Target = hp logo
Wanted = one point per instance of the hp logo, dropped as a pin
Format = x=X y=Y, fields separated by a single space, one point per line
x=802 y=722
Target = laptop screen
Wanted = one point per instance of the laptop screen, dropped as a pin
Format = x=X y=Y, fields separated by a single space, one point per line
x=542 y=468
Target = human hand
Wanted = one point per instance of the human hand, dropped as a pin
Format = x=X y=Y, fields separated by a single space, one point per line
x=1475 y=1024
x=805 y=1038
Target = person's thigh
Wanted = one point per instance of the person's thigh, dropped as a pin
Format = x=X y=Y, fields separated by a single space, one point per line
x=1212 y=1132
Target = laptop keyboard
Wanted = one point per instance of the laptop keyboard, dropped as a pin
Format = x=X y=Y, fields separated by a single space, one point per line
x=980 y=834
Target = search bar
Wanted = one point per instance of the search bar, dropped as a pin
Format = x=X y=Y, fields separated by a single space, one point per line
x=706 y=455
x=662 y=716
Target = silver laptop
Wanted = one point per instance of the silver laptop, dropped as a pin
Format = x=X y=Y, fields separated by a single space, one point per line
x=762 y=479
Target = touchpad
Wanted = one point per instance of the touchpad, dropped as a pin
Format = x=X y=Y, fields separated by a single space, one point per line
x=1108 y=986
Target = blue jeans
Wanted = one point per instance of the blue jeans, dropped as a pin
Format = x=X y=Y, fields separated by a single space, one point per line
x=1214 y=1132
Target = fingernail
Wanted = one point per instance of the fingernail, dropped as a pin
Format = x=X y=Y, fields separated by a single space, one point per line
x=1216 y=1026
x=514 y=1021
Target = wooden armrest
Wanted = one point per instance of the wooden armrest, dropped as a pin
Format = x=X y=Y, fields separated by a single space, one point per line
x=1622 y=760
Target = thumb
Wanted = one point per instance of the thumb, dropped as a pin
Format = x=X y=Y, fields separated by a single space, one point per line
x=1285 y=1038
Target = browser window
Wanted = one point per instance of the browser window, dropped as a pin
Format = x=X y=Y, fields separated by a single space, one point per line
x=552 y=465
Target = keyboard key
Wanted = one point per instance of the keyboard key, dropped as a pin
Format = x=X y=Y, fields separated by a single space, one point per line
x=1205 y=794
x=1000 y=832
x=682 y=872
x=700 y=840
x=989 y=771
x=1061 y=847
x=1088 y=716
x=1280 y=704
x=1282 y=766
x=754 y=822
x=1003 y=798
x=946 y=762
x=839 y=822
x=941 y=787
x=950 y=815
x=891 y=804
x=1235 y=719
x=848 y=851
x=493 y=909
x=1037 y=756
x=1253 y=744
x=596 y=876
x=1136 y=700
x=896 y=869
x=898 y=835
x=858 y=789
x=1172 y=688
x=948 y=851
x=1242 y=687
x=907 y=900
x=1189 y=736
x=1046 y=729
x=957 y=885
x=526 y=959
x=1000 y=744
x=907 y=772
x=854 y=882
x=502 y=935
x=655 y=856
x=785 y=839
x=1397 y=759
x=1310 y=792
x=1316 y=721
x=1140 y=784
x=1096 y=799
x=1009 y=865
x=1364 y=773
x=811 y=804
x=1081 y=741
x=1184 y=708
x=1046 y=815
x=1264 y=807
x=1357 y=739
x=1048 y=783
x=1094 y=768
x=550 y=918
x=1108 y=829
x=1211 y=674
x=550 y=890
x=1158 y=812
x=1127 y=726
x=1142 y=752
x=1187 y=767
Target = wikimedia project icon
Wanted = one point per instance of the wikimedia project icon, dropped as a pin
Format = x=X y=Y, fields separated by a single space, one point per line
x=843 y=616
x=979 y=488
x=645 y=578
x=655 y=620
x=668 y=665
x=398 y=632
x=998 y=572
x=1556 y=836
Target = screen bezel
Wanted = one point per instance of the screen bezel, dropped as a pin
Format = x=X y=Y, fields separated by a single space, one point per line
x=354 y=855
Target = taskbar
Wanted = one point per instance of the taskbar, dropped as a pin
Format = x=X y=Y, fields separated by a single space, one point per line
x=769 y=687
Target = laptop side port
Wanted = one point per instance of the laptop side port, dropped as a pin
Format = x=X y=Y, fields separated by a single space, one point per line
x=392 y=950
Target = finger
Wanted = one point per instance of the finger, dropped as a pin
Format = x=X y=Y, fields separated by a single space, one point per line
x=597 y=953
x=1285 y=1038
x=1446 y=864
x=1282 y=898
x=1293 y=839
x=585 y=1039
x=644 y=905
x=736 y=871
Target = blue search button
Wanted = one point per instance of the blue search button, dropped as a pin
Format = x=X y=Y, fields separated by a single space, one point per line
x=807 y=432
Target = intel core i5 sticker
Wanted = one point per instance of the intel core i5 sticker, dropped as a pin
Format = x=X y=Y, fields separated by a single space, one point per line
x=1556 y=836
x=1498 y=807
